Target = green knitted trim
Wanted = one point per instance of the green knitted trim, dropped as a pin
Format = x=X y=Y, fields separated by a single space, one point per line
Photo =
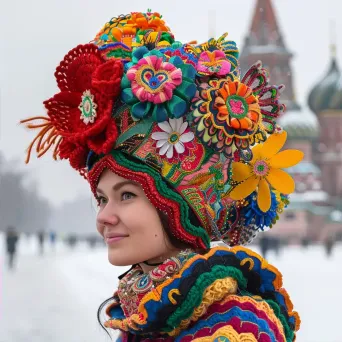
x=119 y=53
x=289 y=333
x=167 y=193
x=195 y=295
x=208 y=154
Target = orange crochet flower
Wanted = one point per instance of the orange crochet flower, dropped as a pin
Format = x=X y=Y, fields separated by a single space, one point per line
x=150 y=21
x=124 y=29
x=238 y=107
x=264 y=171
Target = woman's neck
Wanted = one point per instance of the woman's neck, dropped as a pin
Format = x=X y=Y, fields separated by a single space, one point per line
x=151 y=264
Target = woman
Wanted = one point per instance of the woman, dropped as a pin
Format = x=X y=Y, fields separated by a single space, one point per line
x=179 y=151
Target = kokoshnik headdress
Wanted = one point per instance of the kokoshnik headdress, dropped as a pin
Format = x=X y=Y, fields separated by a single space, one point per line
x=178 y=119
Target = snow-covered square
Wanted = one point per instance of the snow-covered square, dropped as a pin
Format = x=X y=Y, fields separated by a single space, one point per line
x=55 y=297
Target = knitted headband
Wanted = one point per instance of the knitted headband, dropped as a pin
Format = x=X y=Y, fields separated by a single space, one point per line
x=180 y=120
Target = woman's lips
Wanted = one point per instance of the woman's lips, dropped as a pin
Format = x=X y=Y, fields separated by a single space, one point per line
x=114 y=239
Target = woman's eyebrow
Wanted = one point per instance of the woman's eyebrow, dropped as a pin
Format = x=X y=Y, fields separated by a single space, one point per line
x=99 y=191
x=118 y=186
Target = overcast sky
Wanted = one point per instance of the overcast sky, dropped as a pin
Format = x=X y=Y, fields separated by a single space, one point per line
x=36 y=34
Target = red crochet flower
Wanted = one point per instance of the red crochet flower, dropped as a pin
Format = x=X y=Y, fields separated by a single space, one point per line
x=81 y=112
x=76 y=154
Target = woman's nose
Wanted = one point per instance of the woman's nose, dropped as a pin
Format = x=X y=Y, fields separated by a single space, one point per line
x=108 y=215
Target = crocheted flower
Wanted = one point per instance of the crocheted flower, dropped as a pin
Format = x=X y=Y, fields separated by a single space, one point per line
x=238 y=109
x=82 y=109
x=257 y=78
x=152 y=39
x=228 y=47
x=149 y=20
x=173 y=139
x=79 y=116
x=213 y=63
x=124 y=29
x=153 y=80
x=257 y=218
x=155 y=87
x=240 y=112
x=76 y=154
x=264 y=171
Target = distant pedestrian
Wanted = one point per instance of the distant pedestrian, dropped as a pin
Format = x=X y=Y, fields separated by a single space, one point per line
x=41 y=238
x=12 y=239
x=53 y=239
x=264 y=245
x=71 y=241
x=328 y=246
x=305 y=242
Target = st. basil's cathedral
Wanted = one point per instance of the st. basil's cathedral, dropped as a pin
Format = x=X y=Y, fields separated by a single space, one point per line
x=315 y=127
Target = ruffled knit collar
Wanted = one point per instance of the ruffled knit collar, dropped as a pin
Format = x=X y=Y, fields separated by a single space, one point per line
x=181 y=291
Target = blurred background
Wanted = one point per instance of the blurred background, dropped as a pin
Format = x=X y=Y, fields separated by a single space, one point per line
x=54 y=271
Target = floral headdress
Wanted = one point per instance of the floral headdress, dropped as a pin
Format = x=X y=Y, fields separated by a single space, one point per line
x=178 y=119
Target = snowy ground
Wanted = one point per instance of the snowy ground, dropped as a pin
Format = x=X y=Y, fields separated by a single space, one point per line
x=55 y=297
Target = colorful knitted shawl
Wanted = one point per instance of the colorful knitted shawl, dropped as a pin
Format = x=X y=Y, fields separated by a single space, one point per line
x=228 y=294
x=178 y=118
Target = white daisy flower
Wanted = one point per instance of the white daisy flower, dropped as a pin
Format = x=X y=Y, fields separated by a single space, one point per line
x=172 y=137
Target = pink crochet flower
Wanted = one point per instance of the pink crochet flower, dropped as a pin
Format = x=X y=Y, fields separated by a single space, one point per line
x=154 y=80
x=213 y=63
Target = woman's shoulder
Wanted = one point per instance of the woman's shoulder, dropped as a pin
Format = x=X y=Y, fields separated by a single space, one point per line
x=227 y=292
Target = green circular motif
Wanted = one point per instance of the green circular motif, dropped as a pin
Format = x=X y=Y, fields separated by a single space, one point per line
x=87 y=107
x=261 y=168
x=237 y=106
x=174 y=138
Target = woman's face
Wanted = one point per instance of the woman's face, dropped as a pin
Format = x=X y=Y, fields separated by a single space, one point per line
x=128 y=222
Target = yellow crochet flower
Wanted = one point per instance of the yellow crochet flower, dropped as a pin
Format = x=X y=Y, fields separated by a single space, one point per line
x=265 y=170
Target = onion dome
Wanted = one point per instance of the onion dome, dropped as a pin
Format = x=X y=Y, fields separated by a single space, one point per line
x=327 y=93
x=300 y=124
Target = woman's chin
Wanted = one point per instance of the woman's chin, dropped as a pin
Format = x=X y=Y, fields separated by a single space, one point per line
x=120 y=259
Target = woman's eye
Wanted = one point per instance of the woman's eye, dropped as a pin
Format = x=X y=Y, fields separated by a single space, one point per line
x=101 y=200
x=127 y=195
